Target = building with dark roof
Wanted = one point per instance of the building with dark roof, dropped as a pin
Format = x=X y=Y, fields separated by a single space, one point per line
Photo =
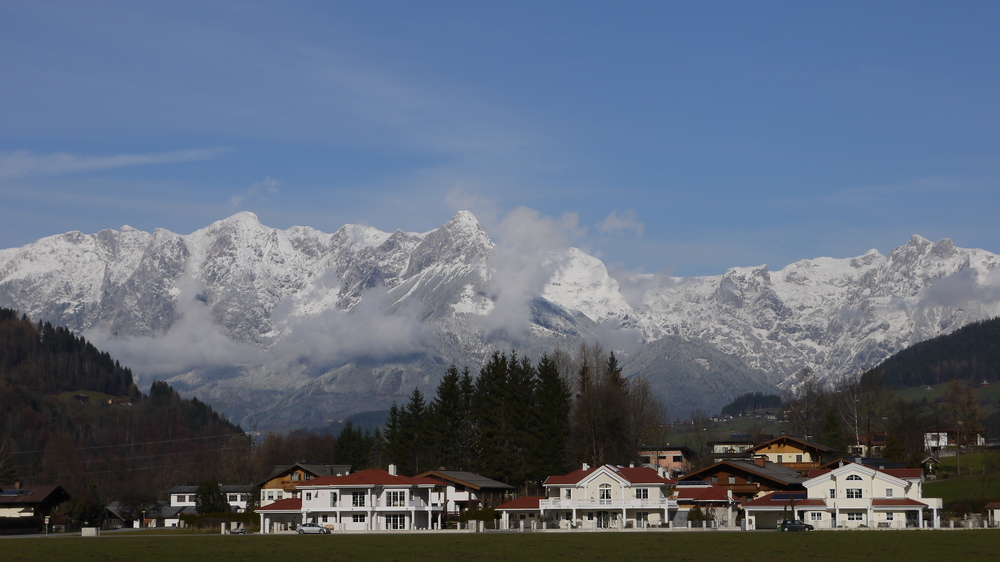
x=284 y=479
x=749 y=479
x=461 y=490
x=30 y=501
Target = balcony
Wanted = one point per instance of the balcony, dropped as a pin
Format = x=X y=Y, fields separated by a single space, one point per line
x=629 y=503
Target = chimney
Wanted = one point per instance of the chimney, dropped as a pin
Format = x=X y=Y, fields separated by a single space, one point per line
x=586 y=466
x=631 y=465
x=17 y=485
x=392 y=470
x=759 y=461
x=660 y=472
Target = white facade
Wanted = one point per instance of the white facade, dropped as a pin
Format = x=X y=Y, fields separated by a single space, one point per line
x=607 y=497
x=855 y=496
x=370 y=500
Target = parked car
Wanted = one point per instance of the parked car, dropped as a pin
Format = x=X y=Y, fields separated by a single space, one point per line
x=312 y=528
x=795 y=525
x=238 y=531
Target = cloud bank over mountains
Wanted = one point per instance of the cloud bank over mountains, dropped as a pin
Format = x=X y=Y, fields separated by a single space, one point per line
x=295 y=326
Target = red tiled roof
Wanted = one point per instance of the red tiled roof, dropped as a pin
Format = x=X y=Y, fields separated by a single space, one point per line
x=710 y=493
x=993 y=505
x=290 y=504
x=904 y=472
x=526 y=502
x=370 y=477
x=633 y=475
x=897 y=501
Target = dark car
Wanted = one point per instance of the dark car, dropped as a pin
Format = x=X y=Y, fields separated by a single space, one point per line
x=312 y=528
x=795 y=525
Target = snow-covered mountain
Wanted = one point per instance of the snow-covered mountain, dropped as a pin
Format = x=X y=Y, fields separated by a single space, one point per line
x=297 y=326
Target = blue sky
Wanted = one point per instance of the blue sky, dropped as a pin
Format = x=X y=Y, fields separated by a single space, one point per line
x=684 y=137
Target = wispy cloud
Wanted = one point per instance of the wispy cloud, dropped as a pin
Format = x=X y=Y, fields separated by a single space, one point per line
x=627 y=221
x=22 y=163
x=257 y=192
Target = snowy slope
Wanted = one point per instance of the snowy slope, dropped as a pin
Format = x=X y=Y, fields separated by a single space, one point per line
x=299 y=320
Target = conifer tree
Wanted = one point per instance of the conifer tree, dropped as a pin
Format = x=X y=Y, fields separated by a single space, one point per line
x=552 y=405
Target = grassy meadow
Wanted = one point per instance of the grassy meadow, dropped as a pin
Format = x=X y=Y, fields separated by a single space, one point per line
x=882 y=546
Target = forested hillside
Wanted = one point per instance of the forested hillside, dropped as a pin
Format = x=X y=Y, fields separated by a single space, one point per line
x=71 y=415
x=971 y=353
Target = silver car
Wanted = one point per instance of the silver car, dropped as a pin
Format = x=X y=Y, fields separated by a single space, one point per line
x=312 y=528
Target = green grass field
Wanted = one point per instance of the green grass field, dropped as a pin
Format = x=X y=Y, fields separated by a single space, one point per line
x=613 y=545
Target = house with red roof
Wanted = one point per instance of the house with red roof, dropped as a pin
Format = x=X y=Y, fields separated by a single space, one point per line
x=369 y=500
x=600 y=498
x=714 y=502
x=850 y=496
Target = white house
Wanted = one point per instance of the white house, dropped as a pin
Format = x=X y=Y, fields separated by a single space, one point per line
x=460 y=490
x=183 y=501
x=851 y=496
x=367 y=500
x=605 y=497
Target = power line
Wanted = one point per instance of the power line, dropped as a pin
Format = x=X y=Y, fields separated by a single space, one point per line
x=135 y=444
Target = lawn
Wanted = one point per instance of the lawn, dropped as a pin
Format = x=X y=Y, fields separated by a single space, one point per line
x=613 y=545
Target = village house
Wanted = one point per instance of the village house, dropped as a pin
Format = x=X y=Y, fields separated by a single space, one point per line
x=674 y=460
x=284 y=479
x=794 y=452
x=851 y=496
x=460 y=490
x=748 y=479
x=715 y=503
x=30 y=501
x=183 y=501
x=369 y=500
x=600 y=498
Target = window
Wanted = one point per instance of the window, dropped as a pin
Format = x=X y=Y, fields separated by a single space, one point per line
x=232 y=497
x=642 y=493
x=798 y=458
x=395 y=499
x=324 y=518
x=833 y=493
x=333 y=499
x=732 y=479
x=604 y=494
x=309 y=476
x=590 y=516
x=715 y=480
x=854 y=493
x=749 y=478
x=192 y=499
x=395 y=521
x=888 y=492
x=295 y=477
x=359 y=517
x=854 y=478
x=888 y=516
x=270 y=495
x=642 y=516
x=569 y=493
x=855 y=516
x=779 y=459
x=358 y=499
x=309 y=496
x=816 y=516
x=281 y=495
x=678 y=458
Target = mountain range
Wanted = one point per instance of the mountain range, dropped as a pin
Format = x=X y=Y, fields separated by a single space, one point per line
x=299 y=327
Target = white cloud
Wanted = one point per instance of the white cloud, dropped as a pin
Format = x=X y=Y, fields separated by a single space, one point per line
x=21 y=163
x=258 y=192
x=330 y=336
x=522 y=263
x=628 y=221
x=193 y=341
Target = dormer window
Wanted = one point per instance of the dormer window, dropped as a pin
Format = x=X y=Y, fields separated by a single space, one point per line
x=296 y=477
